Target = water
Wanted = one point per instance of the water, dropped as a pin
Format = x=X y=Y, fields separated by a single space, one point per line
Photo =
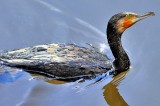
x=26 y=23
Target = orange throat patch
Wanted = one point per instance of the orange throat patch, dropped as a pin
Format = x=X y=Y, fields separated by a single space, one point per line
x=125 y=23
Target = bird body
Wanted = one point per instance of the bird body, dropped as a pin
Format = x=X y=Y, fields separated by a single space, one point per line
x=72 y=61
x=58 y=60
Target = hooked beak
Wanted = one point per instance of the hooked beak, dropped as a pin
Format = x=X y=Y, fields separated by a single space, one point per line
x=125 y=23
x=143 y=16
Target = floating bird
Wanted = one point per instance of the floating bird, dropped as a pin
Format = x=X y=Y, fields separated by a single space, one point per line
x=67 y=61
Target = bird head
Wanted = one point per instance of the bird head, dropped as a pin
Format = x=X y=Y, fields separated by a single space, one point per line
x=124 y=20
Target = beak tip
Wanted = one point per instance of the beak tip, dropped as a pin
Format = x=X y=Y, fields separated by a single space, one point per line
x=152 y=13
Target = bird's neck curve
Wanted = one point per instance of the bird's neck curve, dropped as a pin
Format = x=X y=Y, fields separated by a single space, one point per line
x=121 y=62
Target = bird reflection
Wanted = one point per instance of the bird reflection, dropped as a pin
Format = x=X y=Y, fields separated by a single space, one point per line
x=111 y=93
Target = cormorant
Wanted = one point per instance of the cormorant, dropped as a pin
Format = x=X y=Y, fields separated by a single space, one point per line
x=65 y=61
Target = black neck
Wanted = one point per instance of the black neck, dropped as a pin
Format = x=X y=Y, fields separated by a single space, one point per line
x=121 y=62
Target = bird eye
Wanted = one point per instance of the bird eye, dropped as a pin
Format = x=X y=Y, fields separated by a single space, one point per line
x=128 y=15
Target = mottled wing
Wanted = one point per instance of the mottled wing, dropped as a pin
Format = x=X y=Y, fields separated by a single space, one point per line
x=57 y=57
